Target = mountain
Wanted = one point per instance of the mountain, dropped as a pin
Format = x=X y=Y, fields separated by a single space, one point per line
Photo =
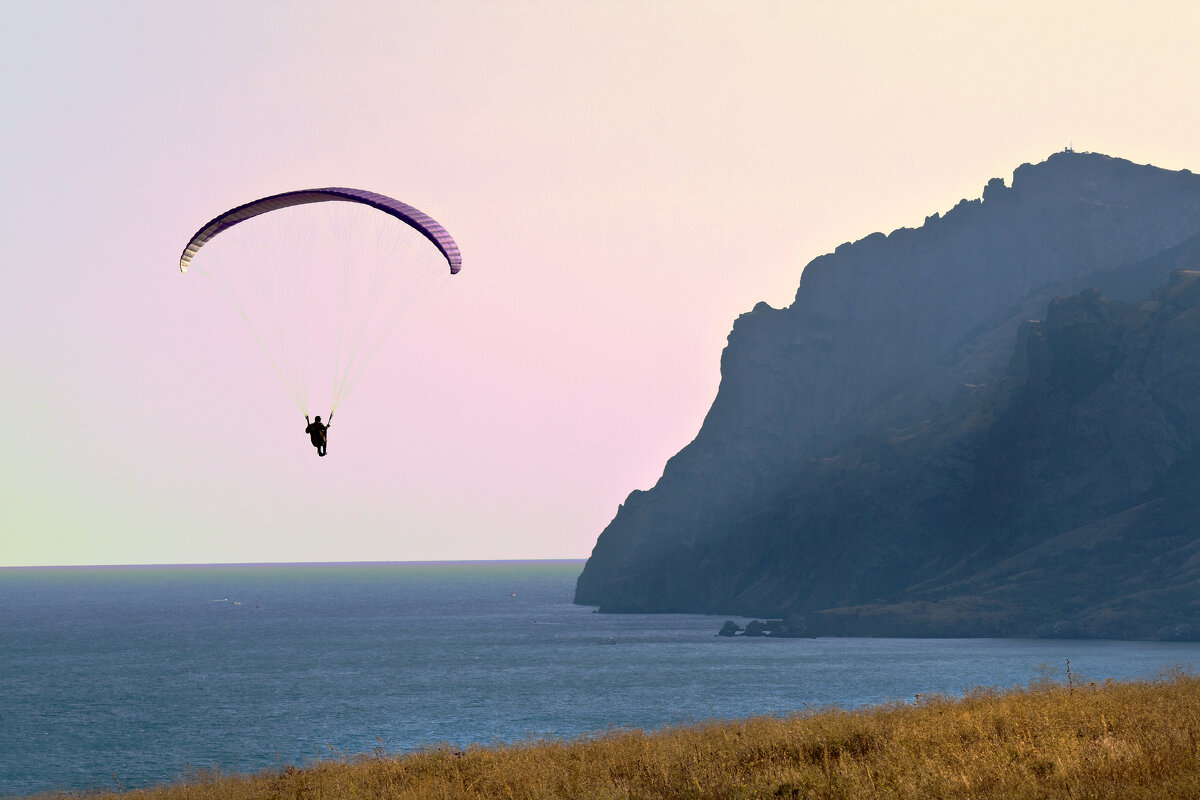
x=904 y=451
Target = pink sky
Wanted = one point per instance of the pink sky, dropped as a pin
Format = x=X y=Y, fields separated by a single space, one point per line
x=623 y=178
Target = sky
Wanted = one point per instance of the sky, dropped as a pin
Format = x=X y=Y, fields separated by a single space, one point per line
x=623 y=178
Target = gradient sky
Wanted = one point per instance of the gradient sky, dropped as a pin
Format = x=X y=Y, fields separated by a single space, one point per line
x=624 y=179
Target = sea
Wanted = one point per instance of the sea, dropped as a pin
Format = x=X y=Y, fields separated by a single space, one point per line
x=134 y=676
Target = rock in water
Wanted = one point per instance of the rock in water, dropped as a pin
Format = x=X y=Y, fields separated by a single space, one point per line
x=730 y=628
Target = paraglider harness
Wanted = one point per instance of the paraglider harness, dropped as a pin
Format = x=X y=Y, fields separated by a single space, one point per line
x=318 y=432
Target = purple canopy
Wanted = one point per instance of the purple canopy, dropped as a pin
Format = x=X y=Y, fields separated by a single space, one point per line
x=422 y=222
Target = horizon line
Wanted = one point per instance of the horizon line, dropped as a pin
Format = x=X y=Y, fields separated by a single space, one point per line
x=431 y=562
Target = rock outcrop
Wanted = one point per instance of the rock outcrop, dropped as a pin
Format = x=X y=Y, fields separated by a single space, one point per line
x=901 y=450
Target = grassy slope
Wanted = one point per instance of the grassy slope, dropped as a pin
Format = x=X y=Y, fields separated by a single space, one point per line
x=1112 y=740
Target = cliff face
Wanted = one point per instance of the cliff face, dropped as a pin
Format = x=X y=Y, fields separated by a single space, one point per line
x=901 y=427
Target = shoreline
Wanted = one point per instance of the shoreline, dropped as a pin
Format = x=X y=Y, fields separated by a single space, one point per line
x=1049 y=739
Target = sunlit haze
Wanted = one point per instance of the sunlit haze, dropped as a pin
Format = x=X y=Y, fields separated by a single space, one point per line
x=624 y=179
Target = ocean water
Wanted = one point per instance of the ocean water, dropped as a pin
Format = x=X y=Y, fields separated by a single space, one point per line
x=133 y=676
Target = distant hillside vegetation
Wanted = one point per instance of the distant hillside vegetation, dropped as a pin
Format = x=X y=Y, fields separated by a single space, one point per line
x=989 y=425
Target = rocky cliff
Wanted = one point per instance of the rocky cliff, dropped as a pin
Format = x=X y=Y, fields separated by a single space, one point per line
x=894 y=451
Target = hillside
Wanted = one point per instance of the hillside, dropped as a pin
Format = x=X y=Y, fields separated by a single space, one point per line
x=1054 y=740
x=904 y=451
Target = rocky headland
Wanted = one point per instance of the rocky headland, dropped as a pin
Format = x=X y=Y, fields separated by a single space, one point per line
x=986 y=426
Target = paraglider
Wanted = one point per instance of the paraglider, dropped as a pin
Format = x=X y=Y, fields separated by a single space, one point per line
x=322 y=287
x=318 y=433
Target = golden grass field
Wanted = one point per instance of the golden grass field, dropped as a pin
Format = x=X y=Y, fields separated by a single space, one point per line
x=1051 y=740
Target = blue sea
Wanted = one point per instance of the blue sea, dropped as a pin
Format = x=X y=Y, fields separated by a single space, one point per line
x=133 y=676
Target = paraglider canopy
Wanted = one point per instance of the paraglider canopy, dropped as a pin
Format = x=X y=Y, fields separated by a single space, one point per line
x=422 y=222
x=322 y=285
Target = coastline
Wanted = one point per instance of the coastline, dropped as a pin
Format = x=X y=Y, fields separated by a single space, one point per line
x=148 y=674
x=1050 y=739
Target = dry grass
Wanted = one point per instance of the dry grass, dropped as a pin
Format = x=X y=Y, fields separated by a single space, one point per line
x=1052 y=740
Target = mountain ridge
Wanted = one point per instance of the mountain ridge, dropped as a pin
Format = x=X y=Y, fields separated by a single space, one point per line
x=888 y=336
